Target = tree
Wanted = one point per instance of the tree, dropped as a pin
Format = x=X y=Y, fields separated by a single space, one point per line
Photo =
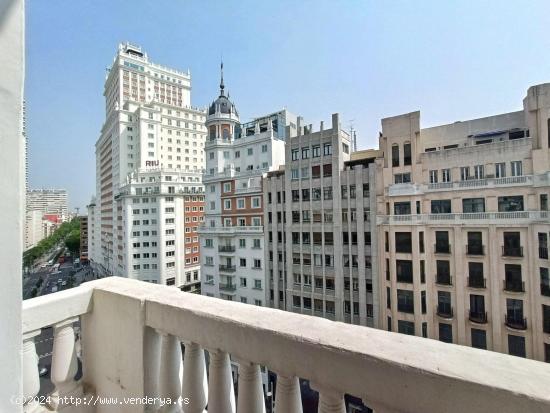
x=72 y=242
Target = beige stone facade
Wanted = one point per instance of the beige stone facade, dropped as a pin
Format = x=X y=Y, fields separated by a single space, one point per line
x=463 y=225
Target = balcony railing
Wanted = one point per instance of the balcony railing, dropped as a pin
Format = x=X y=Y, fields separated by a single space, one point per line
x=477 y=282
x=444 y=279
x=227 y=268
x=143 y=359
x=479 y=317
x=512 y=251
x=515 y=286
x=442 y=248
x=475 y=249
x=226 y=248
x=473 y=218
x=543 y=253
x=227 y=287
x=516 y=322
x=204 y=229
x=545 y=289
x=445 y=311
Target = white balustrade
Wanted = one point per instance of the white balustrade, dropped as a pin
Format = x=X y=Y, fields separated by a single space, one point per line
x=169 y=375
x=287 y=395
x=195 y=381
x=221 y=395
x=31 y=379
x=251 y=393
x=64 y=364
x=390 y=372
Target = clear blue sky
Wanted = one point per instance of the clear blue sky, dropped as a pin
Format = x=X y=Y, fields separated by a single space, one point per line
x=367 y=60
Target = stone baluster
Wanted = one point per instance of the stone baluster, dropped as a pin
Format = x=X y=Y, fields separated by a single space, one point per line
x=169 y=375
x=195 y=382
x=31 y=379
x=331 y=402
x=221 y=395
x=287 y=395
x=151 y=365
x=251 y=391
x=64 y=365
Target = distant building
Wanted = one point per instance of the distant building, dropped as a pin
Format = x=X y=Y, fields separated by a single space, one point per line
x=149 y=164
x=464 y=228
x=83 y=238
x=320 y=228
x=49 y=201
x=237 y=157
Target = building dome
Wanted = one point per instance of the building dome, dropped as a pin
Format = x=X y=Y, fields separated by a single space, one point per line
x=222 y=103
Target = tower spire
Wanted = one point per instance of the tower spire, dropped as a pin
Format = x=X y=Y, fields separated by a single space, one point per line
x=221 y=81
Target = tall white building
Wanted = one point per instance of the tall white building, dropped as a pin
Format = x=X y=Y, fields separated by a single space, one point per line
x=149 y=162
x=237 y=157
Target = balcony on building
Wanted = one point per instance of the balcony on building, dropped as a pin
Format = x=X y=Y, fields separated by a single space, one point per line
x=515 y=322
x=152 y=322
x=479 y=317
x=444 y=278
x=508 y=251
x=227 y=268
x=476 y=280
x=514 y=286
x=442 y=248
x=226 y=248
x=475 y=249
x=228 y=287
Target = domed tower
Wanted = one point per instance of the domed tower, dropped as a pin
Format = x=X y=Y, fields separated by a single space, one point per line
x=222 y=120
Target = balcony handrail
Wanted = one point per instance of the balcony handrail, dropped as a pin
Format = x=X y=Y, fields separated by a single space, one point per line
x=362 y=360
x=470 y=217
x=47 y=310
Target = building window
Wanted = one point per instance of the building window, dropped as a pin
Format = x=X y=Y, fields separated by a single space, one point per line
x=226 y=204
x=544 y=202
x=464 y=173
x=479 y=172
x=516 y=345
x=407 y=156
x=405 y=327
x=316 y=151
x=479 y=339
x=395 y=155
x=441 y=206
x=404 y=271
x=327 y=170
x=470 y=205
x=500 y=170
x=327 y=149
x=405 y=301
x=402 y=208
x=404 y=178
x=305 y=152
x=433 y=176
x=516 y=168
x=403 y=242
x=445 y=175
x=510 y=203
x=445 y=332
x=295 y=154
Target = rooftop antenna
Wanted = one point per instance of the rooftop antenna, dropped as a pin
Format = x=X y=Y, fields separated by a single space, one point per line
x=77 y=209
x=353 y=136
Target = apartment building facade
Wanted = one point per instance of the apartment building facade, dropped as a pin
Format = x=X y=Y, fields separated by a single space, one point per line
x=463 y=225
x=83 y=238
x=49 y=201
x=232 y=239
x=149 y=164
x=320 y=232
